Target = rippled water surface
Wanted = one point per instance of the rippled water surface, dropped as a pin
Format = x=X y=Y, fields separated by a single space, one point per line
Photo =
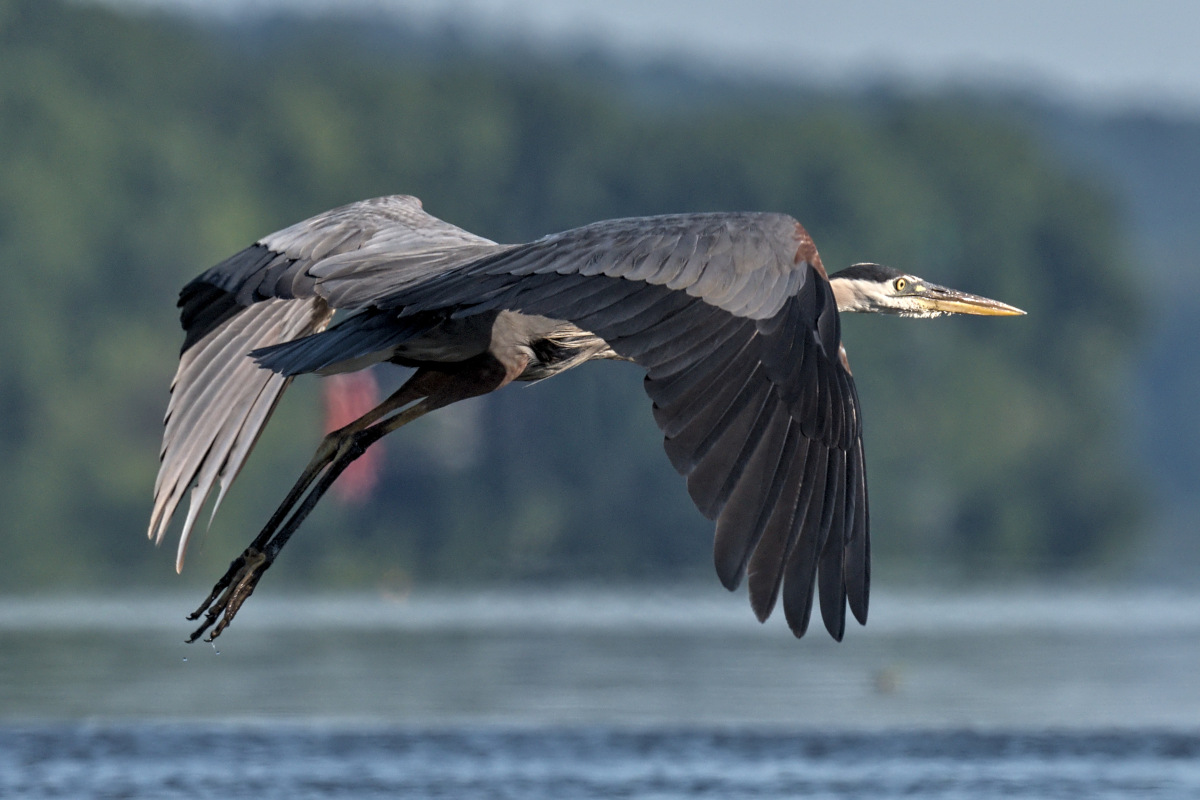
x=280 y=761
x=602 y=694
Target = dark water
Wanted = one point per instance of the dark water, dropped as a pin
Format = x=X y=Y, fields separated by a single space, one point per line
x=561 y=695
x=279 y=761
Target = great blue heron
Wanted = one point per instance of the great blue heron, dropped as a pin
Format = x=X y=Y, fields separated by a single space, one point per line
x=732 y=316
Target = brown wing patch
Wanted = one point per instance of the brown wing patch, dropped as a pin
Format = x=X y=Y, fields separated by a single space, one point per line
x=807 y=251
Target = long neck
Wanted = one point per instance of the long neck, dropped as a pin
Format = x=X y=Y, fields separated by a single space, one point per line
x=853 y=294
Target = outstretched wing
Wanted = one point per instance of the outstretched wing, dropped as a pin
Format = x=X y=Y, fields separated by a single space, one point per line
x=735 y=322
x=731 y=315
x=266 y=294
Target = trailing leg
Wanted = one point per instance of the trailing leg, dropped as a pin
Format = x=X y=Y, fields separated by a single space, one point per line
x=336 y=452
x=243 y=575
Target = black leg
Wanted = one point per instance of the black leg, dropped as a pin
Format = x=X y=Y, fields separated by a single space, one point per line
x=437 y=388
x=239 y=581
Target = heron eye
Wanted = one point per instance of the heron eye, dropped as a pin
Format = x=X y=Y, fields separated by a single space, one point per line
x=901 y=284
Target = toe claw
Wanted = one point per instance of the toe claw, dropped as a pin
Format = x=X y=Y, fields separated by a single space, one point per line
x=229 y=593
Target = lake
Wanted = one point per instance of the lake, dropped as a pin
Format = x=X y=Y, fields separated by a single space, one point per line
x=596 y=693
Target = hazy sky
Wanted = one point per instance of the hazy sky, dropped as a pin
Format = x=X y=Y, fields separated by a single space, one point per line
x=1106 y=52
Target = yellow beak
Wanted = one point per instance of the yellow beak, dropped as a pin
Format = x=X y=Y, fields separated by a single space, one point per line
x=951 y=301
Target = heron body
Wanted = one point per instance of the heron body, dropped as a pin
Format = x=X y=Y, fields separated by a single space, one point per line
x=732 y=316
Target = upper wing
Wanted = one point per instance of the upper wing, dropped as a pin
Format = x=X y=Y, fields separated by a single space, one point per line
x=266 y=294
x=735 y=322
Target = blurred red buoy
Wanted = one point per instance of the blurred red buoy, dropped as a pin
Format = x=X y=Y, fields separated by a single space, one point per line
x=347 y=397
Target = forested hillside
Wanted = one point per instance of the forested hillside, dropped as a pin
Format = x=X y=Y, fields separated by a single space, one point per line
x=137 y=151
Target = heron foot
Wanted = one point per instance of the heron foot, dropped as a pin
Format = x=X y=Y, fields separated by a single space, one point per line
x=227 y=596
x=336 y=452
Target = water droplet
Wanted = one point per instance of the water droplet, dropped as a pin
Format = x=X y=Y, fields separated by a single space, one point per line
x=185 y=658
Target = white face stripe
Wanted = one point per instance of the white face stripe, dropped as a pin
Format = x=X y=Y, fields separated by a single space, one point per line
x=854 y=294
x=880 y=297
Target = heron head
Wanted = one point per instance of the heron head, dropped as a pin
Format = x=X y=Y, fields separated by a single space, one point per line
x=872 y=288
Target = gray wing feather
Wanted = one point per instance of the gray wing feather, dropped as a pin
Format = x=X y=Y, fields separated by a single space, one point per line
x=220 y=401
x=741 y=341
x=713 y=257
x=282 y=288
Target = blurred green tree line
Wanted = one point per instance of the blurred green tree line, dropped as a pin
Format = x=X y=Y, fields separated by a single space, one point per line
x=136 y=151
